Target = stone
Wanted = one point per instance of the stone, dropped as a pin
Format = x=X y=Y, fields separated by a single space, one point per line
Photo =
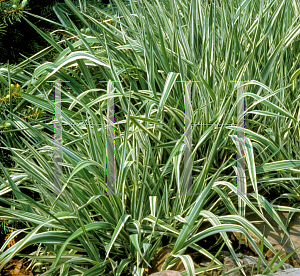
x=249 y=263
x=230 y=264
x=288 y=272
x=253 y=261
x=277 y=237
x=166 y=273
x=295 y=263
x=270 y=255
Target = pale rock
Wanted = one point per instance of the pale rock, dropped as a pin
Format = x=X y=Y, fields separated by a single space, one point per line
x=166 y=273
x=288 y=272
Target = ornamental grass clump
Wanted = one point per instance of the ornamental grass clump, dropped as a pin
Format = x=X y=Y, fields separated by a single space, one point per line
x=149 y=49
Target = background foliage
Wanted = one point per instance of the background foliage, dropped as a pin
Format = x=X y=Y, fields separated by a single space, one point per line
x=17 y=38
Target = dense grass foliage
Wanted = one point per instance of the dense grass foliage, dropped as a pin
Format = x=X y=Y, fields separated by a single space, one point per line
x=149 y=48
